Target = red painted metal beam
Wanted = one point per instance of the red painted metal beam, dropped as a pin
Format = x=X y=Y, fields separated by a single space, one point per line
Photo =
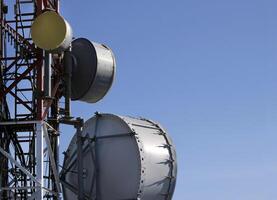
x=39 y=84
x=18 y=79
x=49 y=102
x=14 y=34
x=21 y=101
x=39 y=6
x=10 y=66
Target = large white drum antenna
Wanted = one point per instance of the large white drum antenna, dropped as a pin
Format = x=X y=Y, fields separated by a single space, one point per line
x=122 y=158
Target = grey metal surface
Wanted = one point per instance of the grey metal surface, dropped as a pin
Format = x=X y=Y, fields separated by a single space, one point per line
x=67 y=39
x=123 y=158
x=94 y=70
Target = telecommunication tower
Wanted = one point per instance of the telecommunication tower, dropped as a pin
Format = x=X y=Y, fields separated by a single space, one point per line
x=42 y=69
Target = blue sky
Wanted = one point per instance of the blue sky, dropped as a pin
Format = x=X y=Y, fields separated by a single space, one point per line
x=206 y=70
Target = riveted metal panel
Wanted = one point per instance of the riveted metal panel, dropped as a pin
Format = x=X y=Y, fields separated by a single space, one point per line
x=124 y=158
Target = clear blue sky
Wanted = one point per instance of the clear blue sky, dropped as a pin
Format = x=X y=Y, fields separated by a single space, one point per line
x=207 y=71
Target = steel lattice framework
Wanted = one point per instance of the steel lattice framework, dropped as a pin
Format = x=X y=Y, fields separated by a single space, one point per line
x=29 y=125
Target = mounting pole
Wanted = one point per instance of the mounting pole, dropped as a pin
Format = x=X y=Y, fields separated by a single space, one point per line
x=47 y=74
x=39 y=156
x=68 y=64
x=80 y=143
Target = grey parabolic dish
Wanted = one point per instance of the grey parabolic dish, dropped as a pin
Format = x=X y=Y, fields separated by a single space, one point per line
x=94 y=70
x=124 y=158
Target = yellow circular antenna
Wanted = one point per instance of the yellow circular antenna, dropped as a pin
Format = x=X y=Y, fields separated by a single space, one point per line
x=51 y=32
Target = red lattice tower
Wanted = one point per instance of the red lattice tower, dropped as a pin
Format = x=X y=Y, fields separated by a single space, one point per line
x=27 y=168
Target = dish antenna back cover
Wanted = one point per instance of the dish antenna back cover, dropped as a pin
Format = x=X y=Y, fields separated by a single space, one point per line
x=51 y=32
x=123 y=158
x=94 y=70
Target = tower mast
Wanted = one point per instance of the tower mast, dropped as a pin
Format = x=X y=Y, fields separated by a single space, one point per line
x=29 y=125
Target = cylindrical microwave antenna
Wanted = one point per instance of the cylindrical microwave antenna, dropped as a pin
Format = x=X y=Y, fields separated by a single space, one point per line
x=94 y=70
x=51 y=32
x=123 y=158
